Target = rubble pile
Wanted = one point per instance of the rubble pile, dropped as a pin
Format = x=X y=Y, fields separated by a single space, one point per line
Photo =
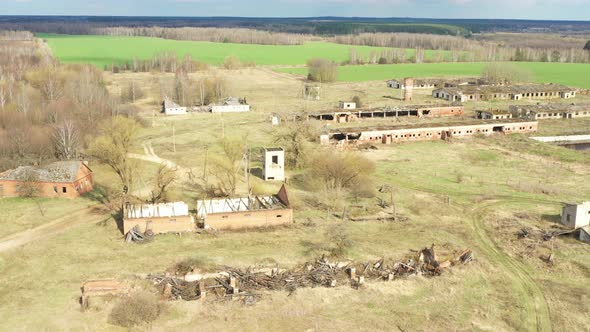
x=247 y=283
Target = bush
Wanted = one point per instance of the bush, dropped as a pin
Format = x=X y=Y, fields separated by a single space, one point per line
x=322 y=70
x=357 y=100
x=138 y=309
x=333 y=171
x=587 y=47
x=232 y=62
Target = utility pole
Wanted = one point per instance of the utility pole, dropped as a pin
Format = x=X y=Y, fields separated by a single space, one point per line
x=173 y=138
x=153 y=118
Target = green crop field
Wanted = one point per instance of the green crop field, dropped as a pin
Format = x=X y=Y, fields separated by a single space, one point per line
x=577 y=75
x=106 y=50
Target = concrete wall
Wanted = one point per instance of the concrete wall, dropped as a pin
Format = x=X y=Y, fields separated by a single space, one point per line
x=576 y=216
x=161 y=225
x=175 y=111
x=249 y=219
x=230 y=108
x=274 y=171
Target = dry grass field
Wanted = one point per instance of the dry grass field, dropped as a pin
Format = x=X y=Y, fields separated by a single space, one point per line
x=464 y=194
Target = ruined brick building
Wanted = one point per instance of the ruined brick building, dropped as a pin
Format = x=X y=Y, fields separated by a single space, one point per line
x=68 y=179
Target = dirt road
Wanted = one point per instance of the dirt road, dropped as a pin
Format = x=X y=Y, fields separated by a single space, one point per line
x=530 y=295
x=49 y=229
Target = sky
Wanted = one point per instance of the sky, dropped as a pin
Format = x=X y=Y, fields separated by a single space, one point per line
x=507 y=9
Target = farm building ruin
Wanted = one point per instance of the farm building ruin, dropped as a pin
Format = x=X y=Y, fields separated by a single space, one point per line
x=231 y=105
x=508 y=92
x=493 y=115
x=550 y=111
x=158 y=218
x=435 y=110
x=576 y=215
x=347 y=105
x=246 y=212
x=422 y=132
x=68 y=179
x=433 y=83
x=171 y=108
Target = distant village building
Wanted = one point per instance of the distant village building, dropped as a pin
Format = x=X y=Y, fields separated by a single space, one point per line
x=512 y=92
x=550 y=111
x=347 y=105
x=425 y=132
x=428 y=111
x=493 y=115
x=159 y=218
x=246 y=212
x=274 y=164
x=68 y=179
x=576 y=215
x=433 y=83
x=171 y=108
x=231 y=105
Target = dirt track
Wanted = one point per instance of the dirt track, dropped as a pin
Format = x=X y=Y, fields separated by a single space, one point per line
x=48 y=229
x=531 y=297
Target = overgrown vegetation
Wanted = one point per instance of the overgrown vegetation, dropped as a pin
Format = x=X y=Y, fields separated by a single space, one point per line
x=139 y=309
x=322 y=70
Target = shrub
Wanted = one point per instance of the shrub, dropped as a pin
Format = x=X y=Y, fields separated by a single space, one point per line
x=357 y=100
x=322 y=70
x=138 y=309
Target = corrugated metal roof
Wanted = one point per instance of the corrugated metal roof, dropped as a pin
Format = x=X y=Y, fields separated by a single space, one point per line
x=176 y=209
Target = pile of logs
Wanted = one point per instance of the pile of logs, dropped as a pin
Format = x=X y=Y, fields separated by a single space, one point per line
x=243 y=283
x=135 y=235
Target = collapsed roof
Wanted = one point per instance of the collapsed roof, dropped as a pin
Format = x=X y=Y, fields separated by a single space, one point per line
x=161 y=210
x=61 y=171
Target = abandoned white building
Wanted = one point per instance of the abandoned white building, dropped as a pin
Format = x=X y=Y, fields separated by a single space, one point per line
x=231 y=105
x=493 y=115
x=347 y=105
x=576 y=215
x=171 y=108
x=274 y=164
x=425 y=132
x=550 y=111
x=499 y=92
x=433 y=83
x=434 y=110
x=159 y=218
x=246 y=212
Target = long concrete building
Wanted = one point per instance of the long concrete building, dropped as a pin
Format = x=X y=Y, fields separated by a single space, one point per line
x=428 y=111
x=425 y=132
x=550 y=111
x=504 y=92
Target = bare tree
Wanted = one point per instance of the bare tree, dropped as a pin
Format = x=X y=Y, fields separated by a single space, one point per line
x=165 y=177
x=226 y=168
x=114 y=145
x=66 y=140
x=293 y=137
x=322 y=70
x=29 y=185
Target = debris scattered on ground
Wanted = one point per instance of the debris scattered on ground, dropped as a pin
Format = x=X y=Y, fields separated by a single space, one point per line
x=246 y=284
x=135 y=235
x=539 y=234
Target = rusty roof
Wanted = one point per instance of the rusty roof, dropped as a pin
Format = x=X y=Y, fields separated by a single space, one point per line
x=60 y=171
